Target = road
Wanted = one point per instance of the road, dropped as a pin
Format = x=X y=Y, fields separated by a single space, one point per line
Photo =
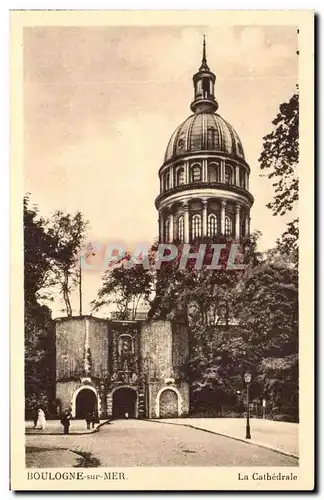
x=127 y=443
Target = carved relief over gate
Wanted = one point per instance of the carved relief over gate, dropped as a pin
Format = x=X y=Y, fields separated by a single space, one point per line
x=125 y=354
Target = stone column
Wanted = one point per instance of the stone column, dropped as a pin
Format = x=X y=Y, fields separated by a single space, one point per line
x=161 y=184
x=223 y=171
x=187 y=180
x=171 y=177
x=237 y=175
x=237 y=222
x=204 y=218
x=171 y=228
x=247 y=224
x=247 y=181
x=161 y=224
x=223 y=206
x=205 y=171
x=186 y=222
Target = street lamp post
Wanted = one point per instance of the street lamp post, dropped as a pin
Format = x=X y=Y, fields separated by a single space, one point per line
x=247 y=380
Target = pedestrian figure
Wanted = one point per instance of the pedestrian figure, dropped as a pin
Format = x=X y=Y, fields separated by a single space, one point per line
x=41 y=420
x=95 y=418
x=126 y=415
x=65 y=421
x=88 y=419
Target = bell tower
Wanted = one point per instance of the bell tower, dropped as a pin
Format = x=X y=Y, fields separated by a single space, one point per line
x=204 y=83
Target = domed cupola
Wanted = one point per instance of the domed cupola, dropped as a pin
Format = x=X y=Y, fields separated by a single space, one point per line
x=204 y=180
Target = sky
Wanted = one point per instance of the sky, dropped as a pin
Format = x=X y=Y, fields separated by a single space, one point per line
x=100 y=104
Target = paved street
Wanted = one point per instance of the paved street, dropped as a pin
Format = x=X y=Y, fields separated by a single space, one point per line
x=141 y=443
x=55 y=427
x=278 y=435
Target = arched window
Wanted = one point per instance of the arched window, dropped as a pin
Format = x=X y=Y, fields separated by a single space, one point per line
x=196 y=226
x=166 y=181
x=213 y=172
x=228 y=175
x=196 y=173
x=242 y=178
x=181 y=229
x=180 y=176
x=212 y=225
x=228 y=226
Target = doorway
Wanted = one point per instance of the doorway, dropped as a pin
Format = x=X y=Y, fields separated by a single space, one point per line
x=124 y=401
x=86 y=402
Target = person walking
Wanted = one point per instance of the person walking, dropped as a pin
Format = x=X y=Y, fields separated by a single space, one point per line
x=41 y=420
x=65 y=421
x=95 y=418
x=88 y=419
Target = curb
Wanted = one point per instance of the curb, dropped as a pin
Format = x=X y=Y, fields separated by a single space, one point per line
x=243 y=440
x=82 y=433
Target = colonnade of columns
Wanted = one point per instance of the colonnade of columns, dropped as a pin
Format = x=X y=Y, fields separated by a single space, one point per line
x=204 y=233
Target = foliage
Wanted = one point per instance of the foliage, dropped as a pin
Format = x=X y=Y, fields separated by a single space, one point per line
x=198 y=295
x=39 y=249
x=39 y=358
x=238 y=321
x=68 y=233
x=125 y=286
x=265 y=342
x=50 y=249
x=280 y=157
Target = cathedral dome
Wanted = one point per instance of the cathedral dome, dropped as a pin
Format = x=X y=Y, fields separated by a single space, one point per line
x=204 y=131
x=204 y=178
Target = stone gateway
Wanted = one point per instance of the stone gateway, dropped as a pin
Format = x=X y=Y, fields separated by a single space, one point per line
x=121 y=368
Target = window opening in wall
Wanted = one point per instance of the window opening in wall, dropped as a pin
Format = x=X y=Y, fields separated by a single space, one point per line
x=213 y=172
x=181 y=229
x=228 y=226
x=242 y=178
x=228 y=175
x=166 y=181
x=212 y=225
x=196 y=173
x=180 y=176
x=196 y=226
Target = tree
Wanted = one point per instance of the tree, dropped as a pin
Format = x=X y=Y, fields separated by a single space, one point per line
x=68 y=232
x=280 y=156
x=39 y=250
x=267 y=309
x=201 y=295
x=124 y=286
x=50 y=249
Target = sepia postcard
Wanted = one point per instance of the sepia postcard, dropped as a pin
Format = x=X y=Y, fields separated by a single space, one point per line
x=162 y=235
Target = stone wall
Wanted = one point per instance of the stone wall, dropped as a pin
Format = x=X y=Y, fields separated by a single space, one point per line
x=98 y=344
x=88 y=348
x=156 y=349
x=65 y=391
x=70 y=344
x=180 y=349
